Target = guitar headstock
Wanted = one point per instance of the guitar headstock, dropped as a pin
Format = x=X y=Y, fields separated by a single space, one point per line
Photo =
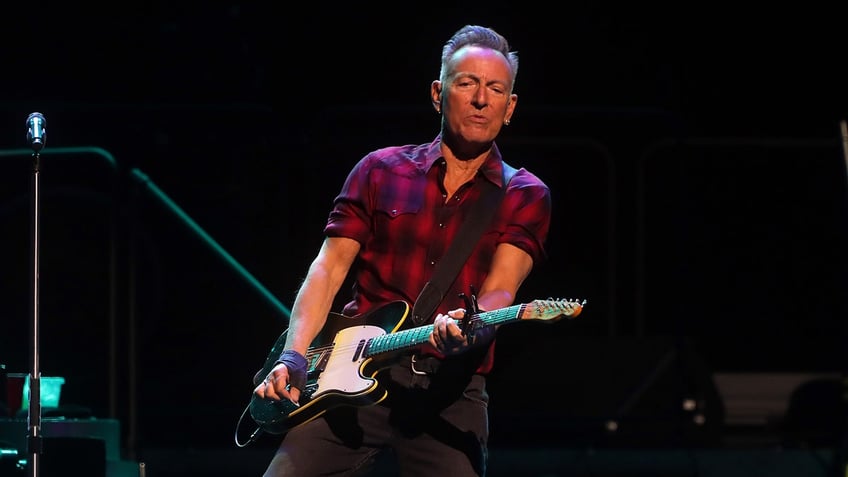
x=552 y=309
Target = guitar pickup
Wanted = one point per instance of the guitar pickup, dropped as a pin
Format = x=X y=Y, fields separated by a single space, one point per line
x=358 y=353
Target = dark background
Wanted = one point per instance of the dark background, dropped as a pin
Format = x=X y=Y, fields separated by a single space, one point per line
x=694 y=154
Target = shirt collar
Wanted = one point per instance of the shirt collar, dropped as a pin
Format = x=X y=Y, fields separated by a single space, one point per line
x=492 y=168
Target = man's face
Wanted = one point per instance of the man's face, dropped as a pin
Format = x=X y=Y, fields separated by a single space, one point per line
x=476 y=96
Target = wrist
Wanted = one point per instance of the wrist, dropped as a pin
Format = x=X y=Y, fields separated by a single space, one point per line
x=292 y=359
x=297 y=366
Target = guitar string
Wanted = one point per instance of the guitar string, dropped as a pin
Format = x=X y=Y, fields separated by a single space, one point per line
x=394 y=341
x=390 y=341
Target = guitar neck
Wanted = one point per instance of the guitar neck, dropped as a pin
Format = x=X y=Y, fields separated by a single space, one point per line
x=412 y=337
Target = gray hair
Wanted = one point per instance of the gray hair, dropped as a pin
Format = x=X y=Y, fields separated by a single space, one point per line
x=478 y=36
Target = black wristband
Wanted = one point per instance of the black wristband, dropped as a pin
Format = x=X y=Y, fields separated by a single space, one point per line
x=296 y=364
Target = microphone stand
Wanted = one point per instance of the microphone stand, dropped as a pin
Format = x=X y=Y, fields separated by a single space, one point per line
x=34 y=438
x=840 y=468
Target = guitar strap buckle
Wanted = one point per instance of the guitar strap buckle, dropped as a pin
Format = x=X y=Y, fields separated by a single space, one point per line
x=424 y=365
x=412 y=367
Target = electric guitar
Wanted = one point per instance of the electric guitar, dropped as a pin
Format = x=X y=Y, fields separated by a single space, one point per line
x=345 y=357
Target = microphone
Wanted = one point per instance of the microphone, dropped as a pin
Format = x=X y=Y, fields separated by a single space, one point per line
x=36 y=131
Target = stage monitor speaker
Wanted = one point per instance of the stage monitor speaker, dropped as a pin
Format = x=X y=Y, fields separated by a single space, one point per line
x=817 y=415
x=652 y=392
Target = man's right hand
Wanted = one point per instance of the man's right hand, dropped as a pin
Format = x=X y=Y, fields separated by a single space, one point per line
x=277 y=385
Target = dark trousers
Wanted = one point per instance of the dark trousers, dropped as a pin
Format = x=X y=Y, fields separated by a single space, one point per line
x=434 y=420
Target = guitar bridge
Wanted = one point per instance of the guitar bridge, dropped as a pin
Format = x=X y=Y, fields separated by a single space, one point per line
x=317 y=363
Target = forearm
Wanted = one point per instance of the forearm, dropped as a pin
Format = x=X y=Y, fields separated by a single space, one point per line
x=495 y=299
x=510 y=267
x=311 y=306
x=318 y=291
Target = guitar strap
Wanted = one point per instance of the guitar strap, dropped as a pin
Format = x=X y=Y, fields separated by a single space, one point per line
x=448 y=267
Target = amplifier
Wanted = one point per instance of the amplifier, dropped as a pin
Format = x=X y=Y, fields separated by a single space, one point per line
x=14 y=432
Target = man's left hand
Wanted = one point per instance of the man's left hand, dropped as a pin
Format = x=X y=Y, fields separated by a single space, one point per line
x=447 y=336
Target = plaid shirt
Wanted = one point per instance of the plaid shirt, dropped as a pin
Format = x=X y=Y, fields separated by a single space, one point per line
x=393 y=203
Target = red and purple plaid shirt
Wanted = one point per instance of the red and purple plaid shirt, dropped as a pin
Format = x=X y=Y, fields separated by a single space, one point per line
x=394 y=205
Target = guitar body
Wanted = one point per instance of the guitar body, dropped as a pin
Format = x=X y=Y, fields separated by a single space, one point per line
x=338 y=371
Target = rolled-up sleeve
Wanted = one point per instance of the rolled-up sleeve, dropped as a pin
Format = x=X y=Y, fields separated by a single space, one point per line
x=351 y=213
x=527 y=205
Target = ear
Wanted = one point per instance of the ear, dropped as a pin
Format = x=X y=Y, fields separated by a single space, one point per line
x=510 y=107
x=436 y=95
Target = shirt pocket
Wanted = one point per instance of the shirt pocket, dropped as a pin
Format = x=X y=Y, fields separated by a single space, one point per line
x=396 y=218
